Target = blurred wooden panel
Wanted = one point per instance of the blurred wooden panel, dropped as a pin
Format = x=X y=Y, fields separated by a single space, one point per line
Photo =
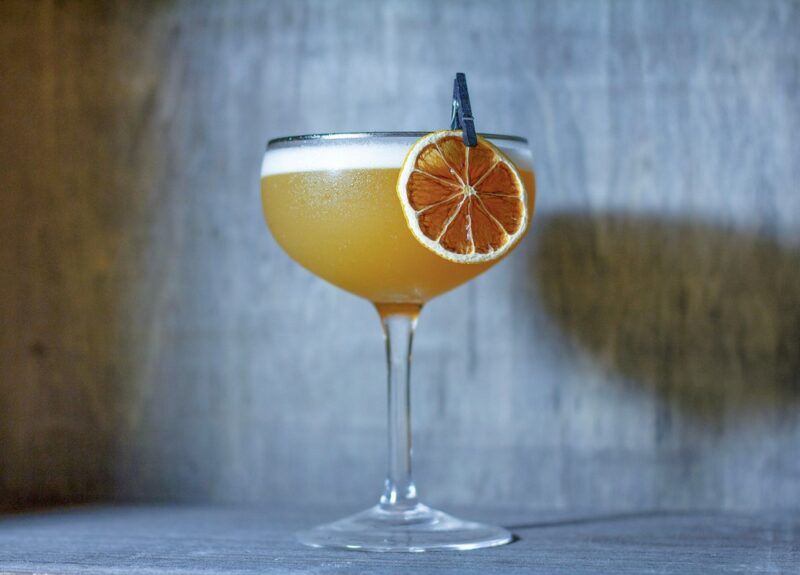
x=641 y=349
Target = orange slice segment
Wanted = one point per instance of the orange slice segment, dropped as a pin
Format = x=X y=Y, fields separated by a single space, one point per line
x=467 y=205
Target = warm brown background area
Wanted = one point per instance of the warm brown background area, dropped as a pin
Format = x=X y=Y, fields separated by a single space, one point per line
x=640 y=350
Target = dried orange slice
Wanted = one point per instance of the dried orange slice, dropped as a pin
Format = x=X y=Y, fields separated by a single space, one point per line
x=466 y=204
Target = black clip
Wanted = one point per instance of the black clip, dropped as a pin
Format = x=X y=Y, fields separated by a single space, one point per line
x=461 y=118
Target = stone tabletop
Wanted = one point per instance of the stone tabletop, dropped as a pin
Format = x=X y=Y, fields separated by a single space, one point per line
x=194 y=540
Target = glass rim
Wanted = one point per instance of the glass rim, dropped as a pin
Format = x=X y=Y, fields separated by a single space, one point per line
x=334 y=136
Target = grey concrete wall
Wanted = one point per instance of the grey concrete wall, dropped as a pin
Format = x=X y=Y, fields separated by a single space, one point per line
x=641 y=349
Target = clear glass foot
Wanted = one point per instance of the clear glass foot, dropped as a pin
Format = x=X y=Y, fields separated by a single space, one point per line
x=415 y=529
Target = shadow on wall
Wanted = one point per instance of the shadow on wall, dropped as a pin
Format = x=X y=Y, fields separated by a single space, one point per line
x=708 y=318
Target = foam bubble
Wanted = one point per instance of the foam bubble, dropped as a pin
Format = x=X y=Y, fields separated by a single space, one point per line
x=325 y=156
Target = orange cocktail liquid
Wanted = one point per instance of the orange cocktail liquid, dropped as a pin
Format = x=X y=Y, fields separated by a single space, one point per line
x=347 y=226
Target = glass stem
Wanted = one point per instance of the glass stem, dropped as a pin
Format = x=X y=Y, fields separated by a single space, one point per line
x=398 y=329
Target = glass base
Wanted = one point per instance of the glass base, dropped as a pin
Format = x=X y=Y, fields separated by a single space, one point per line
x=412 y=530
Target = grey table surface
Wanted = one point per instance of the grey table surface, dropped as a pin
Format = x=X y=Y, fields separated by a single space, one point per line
x=172 y=539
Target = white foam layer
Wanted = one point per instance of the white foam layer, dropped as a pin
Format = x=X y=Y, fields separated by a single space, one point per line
x=358 y=156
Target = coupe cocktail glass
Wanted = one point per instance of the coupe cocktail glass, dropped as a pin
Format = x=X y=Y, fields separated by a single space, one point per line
x=330 y=201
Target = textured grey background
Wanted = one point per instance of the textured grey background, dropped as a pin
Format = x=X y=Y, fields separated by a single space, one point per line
x=640 y=350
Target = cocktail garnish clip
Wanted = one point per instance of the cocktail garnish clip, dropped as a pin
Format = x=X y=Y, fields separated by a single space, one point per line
x=461 y=116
